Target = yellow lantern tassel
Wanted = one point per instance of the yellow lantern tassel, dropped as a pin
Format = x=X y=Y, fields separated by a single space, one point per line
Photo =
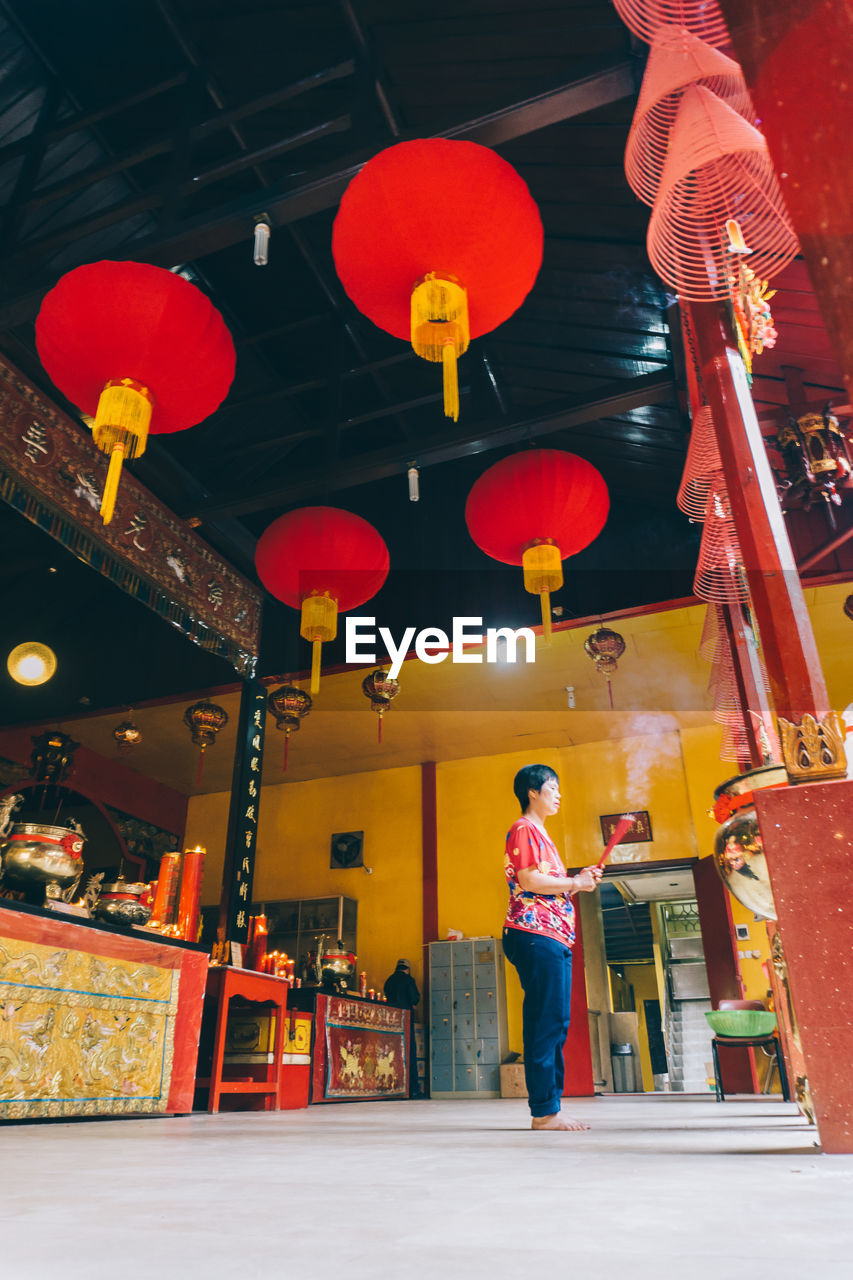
x=108 y=501
x=545 y=601
x=440 y=329
x=319 y=624
x=451 y=382
x=120 y=429
x=543 y=573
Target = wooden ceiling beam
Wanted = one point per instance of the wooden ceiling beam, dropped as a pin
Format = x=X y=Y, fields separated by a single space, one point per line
x=221 y=227
x=619 y=397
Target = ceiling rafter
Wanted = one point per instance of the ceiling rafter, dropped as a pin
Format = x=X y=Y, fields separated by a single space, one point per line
x=652 y=388
x=219 y=228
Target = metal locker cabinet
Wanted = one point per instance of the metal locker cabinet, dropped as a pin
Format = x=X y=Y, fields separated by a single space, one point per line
x=467 y=1018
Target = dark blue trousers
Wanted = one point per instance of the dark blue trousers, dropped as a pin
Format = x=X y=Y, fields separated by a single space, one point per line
x=545 y=969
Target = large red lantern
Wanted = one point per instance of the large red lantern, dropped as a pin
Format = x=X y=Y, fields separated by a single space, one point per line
x=139 y=349
x=535 y=509
x=438 y=242
x=322 y=561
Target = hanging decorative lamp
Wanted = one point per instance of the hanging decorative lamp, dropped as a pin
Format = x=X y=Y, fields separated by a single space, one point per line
x=137 y=348
x=676 y=60
x=535 y=509
x=718 y=176
x=31 y=663
x=438 y=242
x=127 y=734
x=605 y=647
x=204 y=720
x=703 y=18
x=289 y=706
x=322 y=561
x=381 y=689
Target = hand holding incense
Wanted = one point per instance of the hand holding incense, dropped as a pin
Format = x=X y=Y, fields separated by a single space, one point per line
x=618 y=832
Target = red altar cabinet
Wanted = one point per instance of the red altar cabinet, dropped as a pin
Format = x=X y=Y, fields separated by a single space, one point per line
x=361 y=1050
x=230 y=991
x=96 y=1020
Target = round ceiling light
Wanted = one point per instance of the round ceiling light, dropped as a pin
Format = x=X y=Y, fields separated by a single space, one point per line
x=31 y=663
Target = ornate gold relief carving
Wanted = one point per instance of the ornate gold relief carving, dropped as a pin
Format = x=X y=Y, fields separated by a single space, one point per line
x=813 y=751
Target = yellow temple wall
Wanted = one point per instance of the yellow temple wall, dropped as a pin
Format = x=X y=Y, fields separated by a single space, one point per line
x=670 y=774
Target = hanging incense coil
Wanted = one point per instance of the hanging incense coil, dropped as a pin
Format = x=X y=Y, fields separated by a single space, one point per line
x=703 y=467
x=703 y=18
x=717 y=169
x=720 y=574
x=676 y=60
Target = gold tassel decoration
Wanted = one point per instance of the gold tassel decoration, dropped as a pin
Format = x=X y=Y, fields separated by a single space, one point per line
x=440 y=330
x=543 y=573
x=121 y=430
x=319 y=624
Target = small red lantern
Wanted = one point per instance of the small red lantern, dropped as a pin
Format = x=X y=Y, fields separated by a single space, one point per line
x=438 y=242
x=204 y=720
x=536 y=509
x=381 y=688
x=127 y=734
x=322 y=561
x=289 y=705
x=138 y=348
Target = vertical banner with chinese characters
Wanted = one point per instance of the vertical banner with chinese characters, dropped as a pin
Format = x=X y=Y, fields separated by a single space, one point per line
x=242 y=835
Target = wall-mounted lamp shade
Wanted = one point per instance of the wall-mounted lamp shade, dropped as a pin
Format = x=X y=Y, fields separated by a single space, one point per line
x=31 y=663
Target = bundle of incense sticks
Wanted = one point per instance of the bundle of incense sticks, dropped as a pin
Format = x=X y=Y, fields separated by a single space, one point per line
x=618 y=832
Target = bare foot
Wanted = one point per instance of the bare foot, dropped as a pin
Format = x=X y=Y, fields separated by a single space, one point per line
x=556 y=1121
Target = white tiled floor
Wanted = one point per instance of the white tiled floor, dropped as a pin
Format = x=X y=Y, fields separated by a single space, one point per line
x=660 y=1186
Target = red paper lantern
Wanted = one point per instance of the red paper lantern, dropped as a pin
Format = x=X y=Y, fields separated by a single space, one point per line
x=139 y=349
x=438 y=242
x=322 y=561
x=535 y=509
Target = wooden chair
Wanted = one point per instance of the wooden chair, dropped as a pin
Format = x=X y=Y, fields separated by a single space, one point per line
x=768 y=1043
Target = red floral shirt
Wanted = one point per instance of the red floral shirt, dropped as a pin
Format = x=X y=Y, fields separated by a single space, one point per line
x=549 y=913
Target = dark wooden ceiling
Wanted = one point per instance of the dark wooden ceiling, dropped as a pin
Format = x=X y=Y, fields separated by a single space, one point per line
x=161 y=129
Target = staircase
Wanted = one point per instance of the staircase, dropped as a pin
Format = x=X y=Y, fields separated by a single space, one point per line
x=688 y=1040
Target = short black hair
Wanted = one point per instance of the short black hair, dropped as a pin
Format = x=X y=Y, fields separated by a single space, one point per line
x=531 y=778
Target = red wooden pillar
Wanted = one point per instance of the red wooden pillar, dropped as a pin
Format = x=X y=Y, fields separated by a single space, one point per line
x=724 y=980
x=429 y=844
x=577 y=1054
x=808 y=839
x=793 y=666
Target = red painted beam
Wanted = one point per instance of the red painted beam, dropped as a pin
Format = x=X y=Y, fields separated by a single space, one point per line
x=796 y=679
x=429 y=835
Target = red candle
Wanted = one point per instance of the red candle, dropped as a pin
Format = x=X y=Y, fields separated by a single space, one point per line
x=258 y=945
x=167 y=884
x=188 y=910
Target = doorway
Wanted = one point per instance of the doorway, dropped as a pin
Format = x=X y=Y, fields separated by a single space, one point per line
x=657 y=980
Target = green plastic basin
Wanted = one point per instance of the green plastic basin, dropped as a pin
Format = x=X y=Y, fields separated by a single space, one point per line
x=742 y=1022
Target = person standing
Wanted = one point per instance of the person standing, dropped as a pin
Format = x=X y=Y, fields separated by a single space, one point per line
x=538 y=936
x=402 y=991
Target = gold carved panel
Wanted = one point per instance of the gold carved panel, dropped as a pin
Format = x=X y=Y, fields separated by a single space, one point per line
x=83 y=1034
